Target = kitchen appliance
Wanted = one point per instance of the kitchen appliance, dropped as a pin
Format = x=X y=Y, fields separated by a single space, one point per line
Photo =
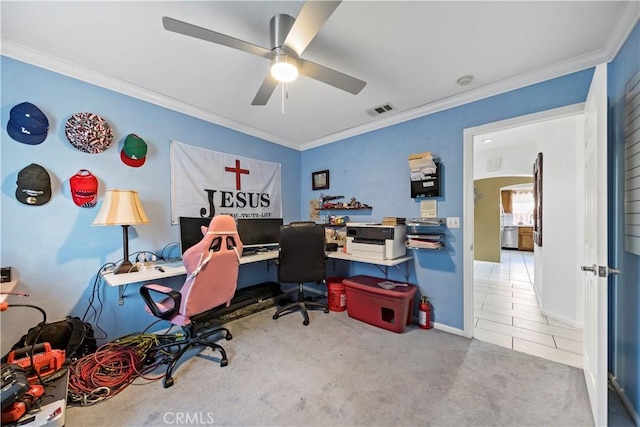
x=510 y=237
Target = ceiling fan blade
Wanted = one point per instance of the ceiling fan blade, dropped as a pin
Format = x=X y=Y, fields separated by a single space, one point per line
x=191 y=30
x=266 y=89
x=330 y=77
x=311 y=18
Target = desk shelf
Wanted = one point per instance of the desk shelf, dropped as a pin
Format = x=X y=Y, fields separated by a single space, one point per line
x=382 y=265
x=346 y=209
x=160 y=270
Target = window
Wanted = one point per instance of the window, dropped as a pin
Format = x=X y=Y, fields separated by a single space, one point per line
x=522 y=207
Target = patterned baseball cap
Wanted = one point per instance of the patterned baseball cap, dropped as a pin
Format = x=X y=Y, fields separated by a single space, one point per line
x=27 y=124
x=34 y=185
x=84 y=189
x=88 y=132
x=134 y=151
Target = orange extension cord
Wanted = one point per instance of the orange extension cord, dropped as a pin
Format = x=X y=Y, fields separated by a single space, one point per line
x=108 y=371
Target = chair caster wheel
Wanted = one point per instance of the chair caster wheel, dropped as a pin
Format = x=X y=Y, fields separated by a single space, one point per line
x=228 y=337
x=326 y=310
x=305 y=322
x=168 y=382
x=275 y=316
x=223 y=363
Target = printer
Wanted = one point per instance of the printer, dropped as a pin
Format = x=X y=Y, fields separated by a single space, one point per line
x=376 y=241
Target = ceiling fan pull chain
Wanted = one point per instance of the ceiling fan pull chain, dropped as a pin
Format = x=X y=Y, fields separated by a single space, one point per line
x=285 y=93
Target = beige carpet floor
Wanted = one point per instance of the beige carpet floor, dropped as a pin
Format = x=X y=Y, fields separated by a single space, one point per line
x=342 y=372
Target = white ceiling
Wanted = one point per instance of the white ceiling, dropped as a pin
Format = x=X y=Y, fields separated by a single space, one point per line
x=409 y=53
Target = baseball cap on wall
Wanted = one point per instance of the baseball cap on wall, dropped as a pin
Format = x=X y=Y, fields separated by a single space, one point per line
x=34 y=185
x=134 y=151
x=27 y=124
x=84 y=189
x=88 y=132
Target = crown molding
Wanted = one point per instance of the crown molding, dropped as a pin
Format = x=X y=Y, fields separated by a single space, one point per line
x=526 y=79
x=69 y=69
x=630 y=17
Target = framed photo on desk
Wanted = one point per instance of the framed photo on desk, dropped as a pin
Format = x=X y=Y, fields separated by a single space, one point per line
x=320 y=180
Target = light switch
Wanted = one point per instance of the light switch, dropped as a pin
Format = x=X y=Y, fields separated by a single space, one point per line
x=453 y=222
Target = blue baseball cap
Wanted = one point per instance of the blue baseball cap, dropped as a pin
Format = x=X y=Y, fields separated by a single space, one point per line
x=27 y=124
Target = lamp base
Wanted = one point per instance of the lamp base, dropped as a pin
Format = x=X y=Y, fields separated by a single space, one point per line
x=126 y=267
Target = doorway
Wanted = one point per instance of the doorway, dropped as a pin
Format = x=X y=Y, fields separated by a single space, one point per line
x=516 y=269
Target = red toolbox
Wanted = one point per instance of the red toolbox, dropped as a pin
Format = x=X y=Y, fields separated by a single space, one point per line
x=386 y=308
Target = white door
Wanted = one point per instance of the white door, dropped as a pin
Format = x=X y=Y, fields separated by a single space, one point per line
x=595 y=246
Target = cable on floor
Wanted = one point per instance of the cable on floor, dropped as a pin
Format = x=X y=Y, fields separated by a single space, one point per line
x=116 y=365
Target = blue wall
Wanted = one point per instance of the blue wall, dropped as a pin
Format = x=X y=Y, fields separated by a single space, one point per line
x=60 y=272
x=57 y=253
x=53 y=248
x=373 y=168
x=624 y=289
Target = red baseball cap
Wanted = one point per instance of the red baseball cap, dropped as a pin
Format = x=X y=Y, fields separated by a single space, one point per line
x=84 y=189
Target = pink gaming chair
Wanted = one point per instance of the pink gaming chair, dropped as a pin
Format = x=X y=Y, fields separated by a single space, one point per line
x=212 y=276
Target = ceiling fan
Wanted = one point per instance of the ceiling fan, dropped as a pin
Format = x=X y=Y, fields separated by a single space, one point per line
x=289 y=38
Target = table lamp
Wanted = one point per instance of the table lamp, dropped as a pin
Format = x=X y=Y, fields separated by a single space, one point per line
x=122 y=207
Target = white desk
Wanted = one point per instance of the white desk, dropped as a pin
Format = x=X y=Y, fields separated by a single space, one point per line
x=396 y=262
x=162 y=270
x=7 y=287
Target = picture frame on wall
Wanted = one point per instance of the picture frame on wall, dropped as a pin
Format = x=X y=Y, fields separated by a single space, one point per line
x=537 y=197
x=320 y=180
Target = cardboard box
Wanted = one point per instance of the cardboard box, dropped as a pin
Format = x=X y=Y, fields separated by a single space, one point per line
x=389 y=309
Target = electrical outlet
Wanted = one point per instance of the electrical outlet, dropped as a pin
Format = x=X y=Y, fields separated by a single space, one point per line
x=453 y=222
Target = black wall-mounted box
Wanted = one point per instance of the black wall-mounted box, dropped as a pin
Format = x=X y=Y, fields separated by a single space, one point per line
x=6 y=274
x=428 y=187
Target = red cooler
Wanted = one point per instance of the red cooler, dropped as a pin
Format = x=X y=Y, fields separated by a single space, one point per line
x=385 y=308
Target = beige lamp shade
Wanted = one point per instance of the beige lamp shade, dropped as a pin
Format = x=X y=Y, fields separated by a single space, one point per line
x=121 y=207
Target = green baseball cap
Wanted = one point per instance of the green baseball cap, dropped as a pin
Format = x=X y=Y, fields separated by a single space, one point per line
x=134 y=151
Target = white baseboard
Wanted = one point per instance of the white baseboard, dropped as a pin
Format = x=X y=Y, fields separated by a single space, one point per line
x=446 y=328
x=625 y=400
x=562 y=319
x=441 y=327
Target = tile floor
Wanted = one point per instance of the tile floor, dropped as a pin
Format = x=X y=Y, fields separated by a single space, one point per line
x=507 y=312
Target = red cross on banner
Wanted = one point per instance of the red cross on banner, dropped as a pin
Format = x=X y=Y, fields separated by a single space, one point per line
x=237 y=171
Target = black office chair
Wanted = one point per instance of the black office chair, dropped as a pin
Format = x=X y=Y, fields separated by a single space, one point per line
x=302 y=259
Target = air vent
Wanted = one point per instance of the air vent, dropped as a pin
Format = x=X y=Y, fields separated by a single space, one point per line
x=380 y=109
x=494 y=164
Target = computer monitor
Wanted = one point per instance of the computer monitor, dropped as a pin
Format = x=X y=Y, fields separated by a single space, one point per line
x=190 y=231
x=255 y=233
x=259 y=232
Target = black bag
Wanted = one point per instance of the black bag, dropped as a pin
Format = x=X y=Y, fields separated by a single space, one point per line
x=72 y=335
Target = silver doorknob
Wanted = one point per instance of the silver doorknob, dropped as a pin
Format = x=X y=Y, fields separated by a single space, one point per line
x=605 y=271
x=592 y=268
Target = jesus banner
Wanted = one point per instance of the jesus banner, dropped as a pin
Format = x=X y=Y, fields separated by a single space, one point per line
x=205 y=183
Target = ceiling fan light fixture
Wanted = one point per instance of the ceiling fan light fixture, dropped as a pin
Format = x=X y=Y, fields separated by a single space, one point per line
x=284 y=69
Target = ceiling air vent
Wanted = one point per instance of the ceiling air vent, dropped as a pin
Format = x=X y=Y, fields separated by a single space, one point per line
x=494 y=164
x=380 y=109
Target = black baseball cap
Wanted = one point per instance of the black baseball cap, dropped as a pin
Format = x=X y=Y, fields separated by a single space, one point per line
x=34 y=185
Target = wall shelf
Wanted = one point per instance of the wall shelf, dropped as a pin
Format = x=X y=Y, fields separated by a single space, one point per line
x=425 y=234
